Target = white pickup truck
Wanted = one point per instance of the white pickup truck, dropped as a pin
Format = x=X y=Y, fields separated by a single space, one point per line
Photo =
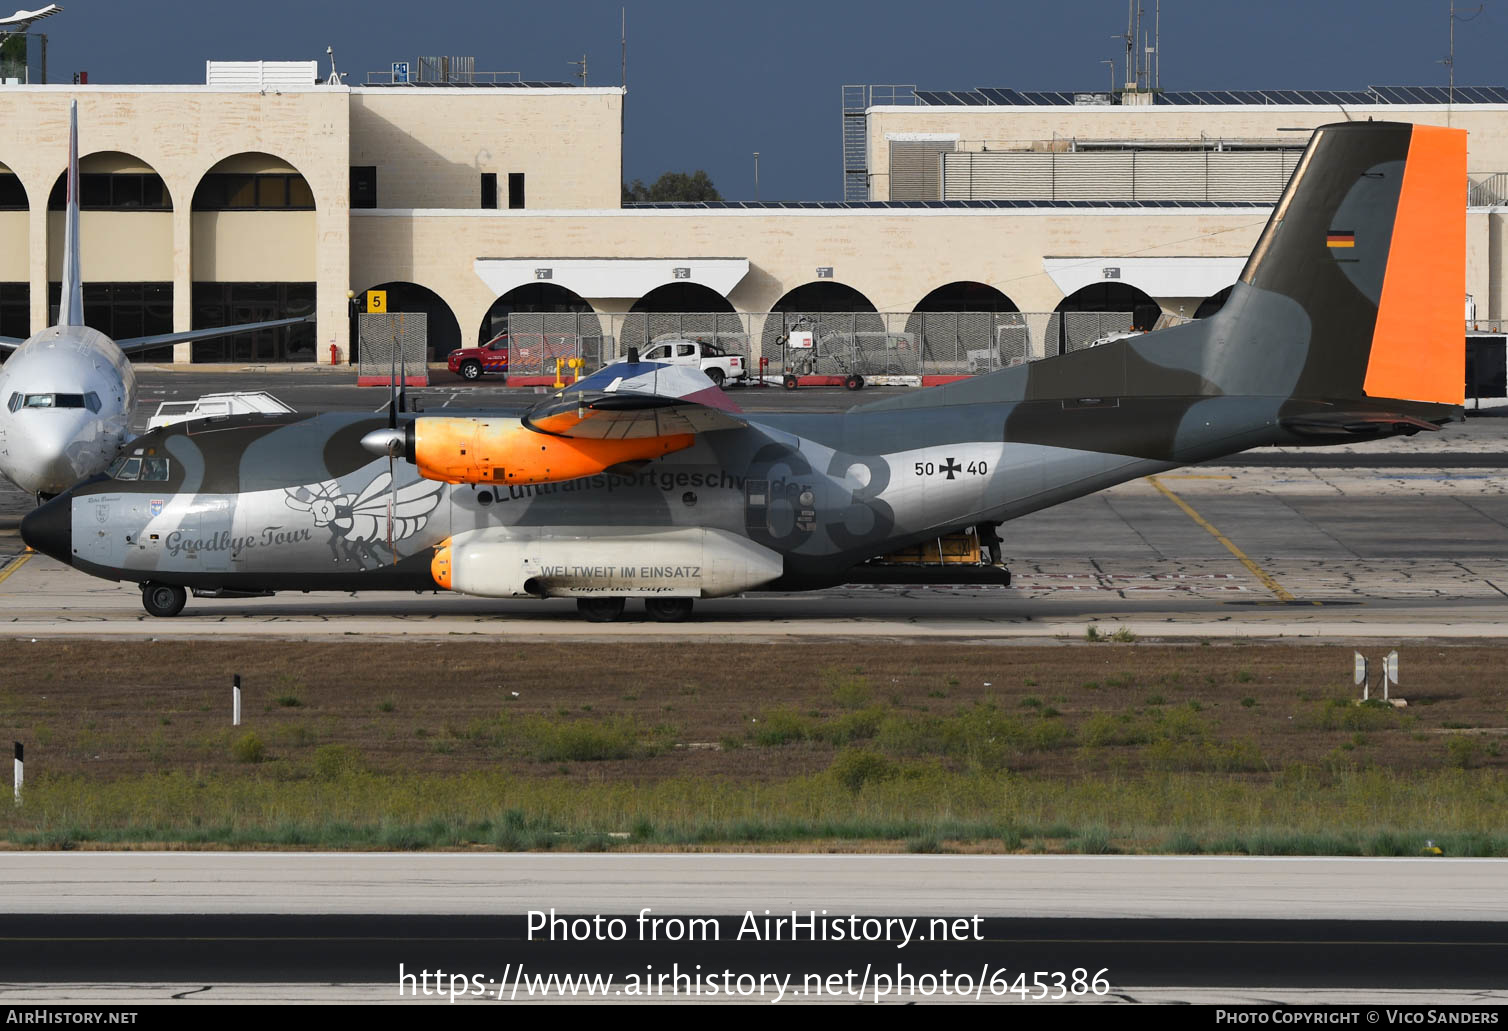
x=718 y=365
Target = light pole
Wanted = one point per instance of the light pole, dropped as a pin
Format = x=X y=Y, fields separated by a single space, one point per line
x=756 y=175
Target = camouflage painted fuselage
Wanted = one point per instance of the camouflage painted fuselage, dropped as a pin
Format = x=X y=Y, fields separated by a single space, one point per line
x=257 y=503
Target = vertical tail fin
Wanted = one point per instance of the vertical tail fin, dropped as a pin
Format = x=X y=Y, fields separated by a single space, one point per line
x=71 y=306
x=1369 y=240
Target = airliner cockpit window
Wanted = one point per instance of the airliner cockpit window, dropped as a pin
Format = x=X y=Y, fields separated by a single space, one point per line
x=54 y=401
x=154 y=468
x=15 y=400
x=91 y=402
x=126 y=469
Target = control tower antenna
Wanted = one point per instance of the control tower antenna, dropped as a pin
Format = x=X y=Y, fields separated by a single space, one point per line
x=582 y=63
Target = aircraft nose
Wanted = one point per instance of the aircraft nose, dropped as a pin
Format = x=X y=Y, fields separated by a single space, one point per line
x=49 y=529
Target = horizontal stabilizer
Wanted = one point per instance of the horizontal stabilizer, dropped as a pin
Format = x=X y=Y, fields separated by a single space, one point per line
x=1354 y=424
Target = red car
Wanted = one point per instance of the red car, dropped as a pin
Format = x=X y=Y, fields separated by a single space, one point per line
x=472 y=362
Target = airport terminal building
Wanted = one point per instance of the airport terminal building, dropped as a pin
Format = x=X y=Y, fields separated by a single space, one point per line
x=978 y=228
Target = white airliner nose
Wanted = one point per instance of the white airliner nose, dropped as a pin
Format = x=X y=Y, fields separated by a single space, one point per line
x=44 y=460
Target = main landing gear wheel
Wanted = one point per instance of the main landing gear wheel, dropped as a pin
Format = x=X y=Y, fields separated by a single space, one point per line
x=471 y=370
x=790 y=383
x=600 y=610
x=854 y=382
x=162 y=599
x=668 y=610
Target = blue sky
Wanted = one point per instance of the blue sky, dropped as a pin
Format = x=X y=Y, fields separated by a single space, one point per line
x=712 y=82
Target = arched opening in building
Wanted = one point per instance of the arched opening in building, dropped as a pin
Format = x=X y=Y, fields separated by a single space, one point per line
x=442 y=330
x=967 y=328
x=684 y=311
x=1213 y=303
x=847 y=334
x=126 y=237
x=966 y=296
x=1100 y=310
x=253 y=237
x=15 y=275
x=544 y=322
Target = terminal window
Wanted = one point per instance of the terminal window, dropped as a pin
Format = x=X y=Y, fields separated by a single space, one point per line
x=113 y=191
x=363 y=186
x=515 y=189
x=123 y=310
x=226 y=304
x=275 y=191
x=12 y=193
x=489 y=189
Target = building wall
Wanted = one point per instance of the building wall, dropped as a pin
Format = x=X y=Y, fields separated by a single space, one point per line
x=14 y=227
x=431 y=146
x=181 y=132
x=254 y=247
x=1054 y=128
x=893 y=258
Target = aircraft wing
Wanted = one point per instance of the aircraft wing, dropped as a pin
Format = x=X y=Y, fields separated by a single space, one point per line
x=597 y=415
x=599 y=425
x=22 y=20
x=162 y=339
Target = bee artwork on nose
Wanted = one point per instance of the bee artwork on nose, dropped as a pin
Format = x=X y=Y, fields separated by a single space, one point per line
x=358 y=520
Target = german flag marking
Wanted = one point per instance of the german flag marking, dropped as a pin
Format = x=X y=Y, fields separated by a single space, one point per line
x=1340 y=238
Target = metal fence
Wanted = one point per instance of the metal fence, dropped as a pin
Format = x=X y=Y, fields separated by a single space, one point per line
x=398 y=339
x=867 y=343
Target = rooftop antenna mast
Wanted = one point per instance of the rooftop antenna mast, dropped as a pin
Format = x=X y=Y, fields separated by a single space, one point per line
x=1450 y=60
x=582 y=63
x=334 y=79
x=623 y=44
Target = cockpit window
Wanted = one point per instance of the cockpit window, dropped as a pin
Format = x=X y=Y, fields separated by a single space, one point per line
x=55 y=401
x=157 y=468
x=15 y=401
x=91 y=401
x=126 y=469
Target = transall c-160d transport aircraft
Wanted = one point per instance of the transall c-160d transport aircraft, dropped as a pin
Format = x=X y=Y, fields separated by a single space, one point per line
x=643 y=482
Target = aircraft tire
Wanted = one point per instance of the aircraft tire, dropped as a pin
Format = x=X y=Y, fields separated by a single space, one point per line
x=162 y=600
x=668 y=610
x=600 y=610
x=471 y=370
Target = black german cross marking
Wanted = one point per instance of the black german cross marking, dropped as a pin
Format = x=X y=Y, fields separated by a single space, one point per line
x=951 y=468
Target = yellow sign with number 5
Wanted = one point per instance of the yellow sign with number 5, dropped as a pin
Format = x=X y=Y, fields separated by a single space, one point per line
x=376 y=302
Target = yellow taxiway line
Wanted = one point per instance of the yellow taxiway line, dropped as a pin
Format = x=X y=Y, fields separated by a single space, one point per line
x=15 y=564
x=1256 y=570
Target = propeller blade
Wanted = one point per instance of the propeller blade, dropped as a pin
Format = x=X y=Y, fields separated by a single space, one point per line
x=392 y=390
x=402 y=380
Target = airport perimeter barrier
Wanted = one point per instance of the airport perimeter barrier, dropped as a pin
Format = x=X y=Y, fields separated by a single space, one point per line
x=866 y=343
x=393 y=340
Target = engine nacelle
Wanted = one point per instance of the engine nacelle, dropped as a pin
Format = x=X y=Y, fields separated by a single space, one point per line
x=603 y=561
x=455 y=449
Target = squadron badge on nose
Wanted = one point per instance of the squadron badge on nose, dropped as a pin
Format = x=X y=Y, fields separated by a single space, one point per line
x=155 y=507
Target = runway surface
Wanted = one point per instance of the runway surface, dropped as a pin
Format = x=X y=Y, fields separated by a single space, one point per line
x=131 y=927
x=502 y=884
x=1397 y=539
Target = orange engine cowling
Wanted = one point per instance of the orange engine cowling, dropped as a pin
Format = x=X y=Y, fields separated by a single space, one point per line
x=460 y=450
